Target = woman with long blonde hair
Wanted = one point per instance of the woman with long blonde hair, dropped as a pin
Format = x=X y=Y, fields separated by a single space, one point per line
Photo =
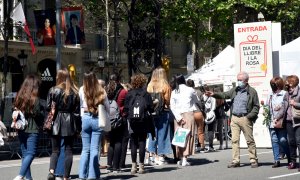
x=92 y=94
x=161 y=146
x=66 y=99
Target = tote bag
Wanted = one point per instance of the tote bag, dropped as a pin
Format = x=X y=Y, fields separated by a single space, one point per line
x=180 y=137
x=103 y=120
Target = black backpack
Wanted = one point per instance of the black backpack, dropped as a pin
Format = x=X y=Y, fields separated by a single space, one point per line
x=158 y=103
x=137 y=108
x=115 y=115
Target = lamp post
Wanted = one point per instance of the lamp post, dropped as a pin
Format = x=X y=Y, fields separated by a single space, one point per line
x=23 y=59
x=101 y=64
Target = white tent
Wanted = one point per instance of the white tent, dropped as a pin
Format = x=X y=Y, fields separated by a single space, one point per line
x=220 y=71
x=290 y=58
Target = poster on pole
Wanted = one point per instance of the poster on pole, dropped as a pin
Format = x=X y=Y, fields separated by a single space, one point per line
x=253 y=51
x=73 y=25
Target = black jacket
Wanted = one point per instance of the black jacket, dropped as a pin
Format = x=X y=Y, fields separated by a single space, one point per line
x=64 y=124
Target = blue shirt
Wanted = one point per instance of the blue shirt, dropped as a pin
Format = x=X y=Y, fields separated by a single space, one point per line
x=240 y=102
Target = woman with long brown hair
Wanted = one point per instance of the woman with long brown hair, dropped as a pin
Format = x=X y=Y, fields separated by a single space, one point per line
x=66 y=98
x=28 y=103
x=91 y=96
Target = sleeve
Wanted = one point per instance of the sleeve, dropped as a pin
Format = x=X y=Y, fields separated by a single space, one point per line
x=167 y=96
x=224 y=95
x=255 y=107
x=126 y=104
x=213 y=104
x=177 y=115
x=281 y=113
x=121 y=99
x=49 y=99
x=106 y=104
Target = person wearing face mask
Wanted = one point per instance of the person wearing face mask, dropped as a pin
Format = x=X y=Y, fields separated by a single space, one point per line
x=277 y=103
x=293 y=124
x=244 y=112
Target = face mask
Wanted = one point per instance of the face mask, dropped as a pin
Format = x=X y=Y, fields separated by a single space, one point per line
x=241 y=84
x=273 y=87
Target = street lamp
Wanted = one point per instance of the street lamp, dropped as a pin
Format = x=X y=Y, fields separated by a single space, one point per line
x=23 y=59
x=101 y=64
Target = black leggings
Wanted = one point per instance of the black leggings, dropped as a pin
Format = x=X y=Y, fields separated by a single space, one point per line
x=56 y=143
x=138 y=140
x=115 y=148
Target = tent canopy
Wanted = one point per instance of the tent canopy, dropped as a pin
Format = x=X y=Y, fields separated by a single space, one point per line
x=290 y=58
x=221 y=70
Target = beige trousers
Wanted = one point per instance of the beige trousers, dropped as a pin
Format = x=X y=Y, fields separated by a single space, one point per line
x=237 y=125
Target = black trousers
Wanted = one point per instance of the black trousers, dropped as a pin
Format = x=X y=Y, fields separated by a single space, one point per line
x=124 y=145
x=115 y=148
x=138 y=140
x=56 y=143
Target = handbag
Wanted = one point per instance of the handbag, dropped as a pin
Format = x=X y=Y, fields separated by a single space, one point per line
x=295 y=112
x=19 y=122
x=180 y=137
x=103 y=119
x=278 y=123
x=48 y=122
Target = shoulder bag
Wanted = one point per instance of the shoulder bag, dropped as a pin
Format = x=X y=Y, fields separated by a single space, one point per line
x=295 y=112
x=277 y=123
x=103 y=120
x=48 y=122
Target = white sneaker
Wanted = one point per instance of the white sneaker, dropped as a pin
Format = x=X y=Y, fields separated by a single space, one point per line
x=160 y=161
x=179 y=163
x=186 y=163
x=19 y=177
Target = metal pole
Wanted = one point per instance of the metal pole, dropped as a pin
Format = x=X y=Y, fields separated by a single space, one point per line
x=58 y=35
x=5 y=63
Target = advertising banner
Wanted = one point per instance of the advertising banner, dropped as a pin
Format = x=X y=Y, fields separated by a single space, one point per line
x=45 y=25
x=253 y=51
x=73 y=25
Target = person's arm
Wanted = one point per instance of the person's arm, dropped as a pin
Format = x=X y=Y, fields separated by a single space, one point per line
x=213 y=103
x=167 y=96
x=284 y=107
x=252 y=115
x=176 y=114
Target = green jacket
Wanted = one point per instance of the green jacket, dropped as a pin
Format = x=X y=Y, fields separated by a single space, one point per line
x=252 y=103
x=36 y=118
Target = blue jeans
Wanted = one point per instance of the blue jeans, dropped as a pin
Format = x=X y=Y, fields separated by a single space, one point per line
x=279 y=138
x=162 y=144
x=59 y=170
x=91 y=137
x=28 y=142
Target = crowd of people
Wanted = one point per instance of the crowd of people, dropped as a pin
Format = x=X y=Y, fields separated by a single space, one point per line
x=147 y=113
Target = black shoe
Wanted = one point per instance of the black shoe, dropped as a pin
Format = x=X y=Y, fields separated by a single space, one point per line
x=233 y=165
x=276 y=164
x=51 y=176
x=292 y=165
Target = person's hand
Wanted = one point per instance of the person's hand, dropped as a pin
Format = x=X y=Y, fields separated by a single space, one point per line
x=182 y=121
x=292 y=102
x=209 y=93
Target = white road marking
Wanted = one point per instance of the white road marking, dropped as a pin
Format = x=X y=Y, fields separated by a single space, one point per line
x=267 y=152
x=285 y=175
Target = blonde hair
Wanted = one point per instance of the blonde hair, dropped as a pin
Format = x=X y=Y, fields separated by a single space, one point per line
x=158 y=80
